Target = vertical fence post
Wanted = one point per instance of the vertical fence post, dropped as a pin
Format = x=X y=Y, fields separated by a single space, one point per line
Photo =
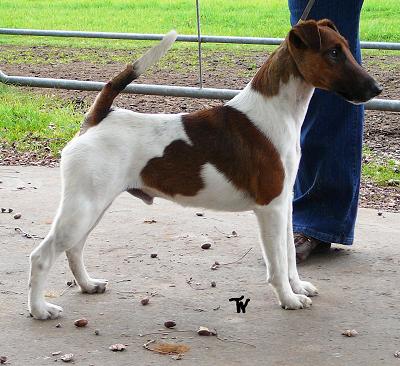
x=199 y=43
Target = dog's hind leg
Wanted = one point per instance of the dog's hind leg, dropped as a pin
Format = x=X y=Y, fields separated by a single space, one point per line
x=77 y=215
x=76 y=264
x=272 y=220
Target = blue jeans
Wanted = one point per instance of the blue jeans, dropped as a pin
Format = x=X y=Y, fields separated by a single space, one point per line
x=328 y=181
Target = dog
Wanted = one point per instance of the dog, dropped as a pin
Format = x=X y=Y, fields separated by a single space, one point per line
x=240 y=156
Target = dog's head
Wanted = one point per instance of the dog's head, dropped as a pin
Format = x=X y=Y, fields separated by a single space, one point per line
x=324 y=60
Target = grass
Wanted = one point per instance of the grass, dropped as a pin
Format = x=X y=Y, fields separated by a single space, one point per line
x=43 y=125
x=260 y=18
x=33 y=123
x=30 y=122
x=383 y=172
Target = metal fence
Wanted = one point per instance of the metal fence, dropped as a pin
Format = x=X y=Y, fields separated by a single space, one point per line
x=166 y=90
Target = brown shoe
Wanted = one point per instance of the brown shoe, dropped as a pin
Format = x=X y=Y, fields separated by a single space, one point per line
x=305 y=245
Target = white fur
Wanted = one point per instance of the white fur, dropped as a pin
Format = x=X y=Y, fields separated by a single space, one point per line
x=106 y=160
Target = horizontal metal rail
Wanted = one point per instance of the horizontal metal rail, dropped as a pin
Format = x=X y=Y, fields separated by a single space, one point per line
x=182 y=37
x=164 y=90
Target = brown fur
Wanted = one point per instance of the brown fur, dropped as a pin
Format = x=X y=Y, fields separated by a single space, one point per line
x=228 y=140
x=102 y=105
x=276 y=70
x=309 y=59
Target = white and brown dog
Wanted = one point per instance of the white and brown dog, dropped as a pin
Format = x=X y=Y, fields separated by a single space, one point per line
x=240 y=156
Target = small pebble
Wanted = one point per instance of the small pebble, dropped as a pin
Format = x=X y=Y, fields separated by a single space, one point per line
x=17 y=216
x=213 y=284
x=397 y=354
x=379 y=213
x=96 y=332
x=199 y=214
x=58 y=325
x=56 y=353
x=153 y=255
x=169 y=324
x=145 y=301
x=81 y=323
x=3 y=359
x=350 y=333
x=117 y=347
x=68 y=357
x=206 y=246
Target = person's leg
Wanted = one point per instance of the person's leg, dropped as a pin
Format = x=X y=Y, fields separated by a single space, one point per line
x=327 y=185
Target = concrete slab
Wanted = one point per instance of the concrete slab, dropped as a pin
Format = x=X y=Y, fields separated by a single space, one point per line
x=359 y=288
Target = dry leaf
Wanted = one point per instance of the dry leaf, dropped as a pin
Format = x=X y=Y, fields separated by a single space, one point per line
x=51 y=295
x=170 y=348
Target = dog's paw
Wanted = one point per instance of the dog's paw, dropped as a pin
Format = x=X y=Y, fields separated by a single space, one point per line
x=45 y=311
x=304 y=288
x=296 y=302
x=94 y=286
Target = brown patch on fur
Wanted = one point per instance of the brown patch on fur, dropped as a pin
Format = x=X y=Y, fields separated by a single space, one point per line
x=228 y=140
x=102 y=105
x=276 y=70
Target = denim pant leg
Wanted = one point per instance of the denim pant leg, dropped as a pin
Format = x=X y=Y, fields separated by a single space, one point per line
x=328 y=182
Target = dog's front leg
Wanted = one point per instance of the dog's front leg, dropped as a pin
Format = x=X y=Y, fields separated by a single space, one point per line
x=273 y=222
x=298 y=286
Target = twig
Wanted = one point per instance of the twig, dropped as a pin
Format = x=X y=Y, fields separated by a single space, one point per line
x=66 y=289
x=126 y=280
x=166 y=333
x=27 y=235
x=232 y=235
x=146 y=345
x=232 y=340
x=8 y=292
x=226 y=264
x=134 y=292
x=189 y=282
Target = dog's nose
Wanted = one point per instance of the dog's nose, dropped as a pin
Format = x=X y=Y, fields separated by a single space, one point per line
x=376 y=89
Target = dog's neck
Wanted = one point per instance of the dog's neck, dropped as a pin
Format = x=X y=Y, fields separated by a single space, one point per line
x=278 y=87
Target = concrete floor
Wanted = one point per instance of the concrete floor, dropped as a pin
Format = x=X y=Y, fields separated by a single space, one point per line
x=359 y=288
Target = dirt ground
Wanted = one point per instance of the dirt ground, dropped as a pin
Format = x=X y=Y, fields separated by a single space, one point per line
x=227 y=69
x=358 y=288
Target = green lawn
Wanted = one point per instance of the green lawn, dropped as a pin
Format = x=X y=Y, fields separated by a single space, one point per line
x=34 y=123
x=31 y=122
x=263 y=18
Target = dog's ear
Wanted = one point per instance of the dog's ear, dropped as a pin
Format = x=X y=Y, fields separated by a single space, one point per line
x=327 y=23
x=305 y=35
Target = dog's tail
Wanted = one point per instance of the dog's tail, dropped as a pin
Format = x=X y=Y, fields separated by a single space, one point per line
x=102 y=104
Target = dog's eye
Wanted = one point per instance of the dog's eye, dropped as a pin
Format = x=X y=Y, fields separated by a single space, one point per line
x=334 y=53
